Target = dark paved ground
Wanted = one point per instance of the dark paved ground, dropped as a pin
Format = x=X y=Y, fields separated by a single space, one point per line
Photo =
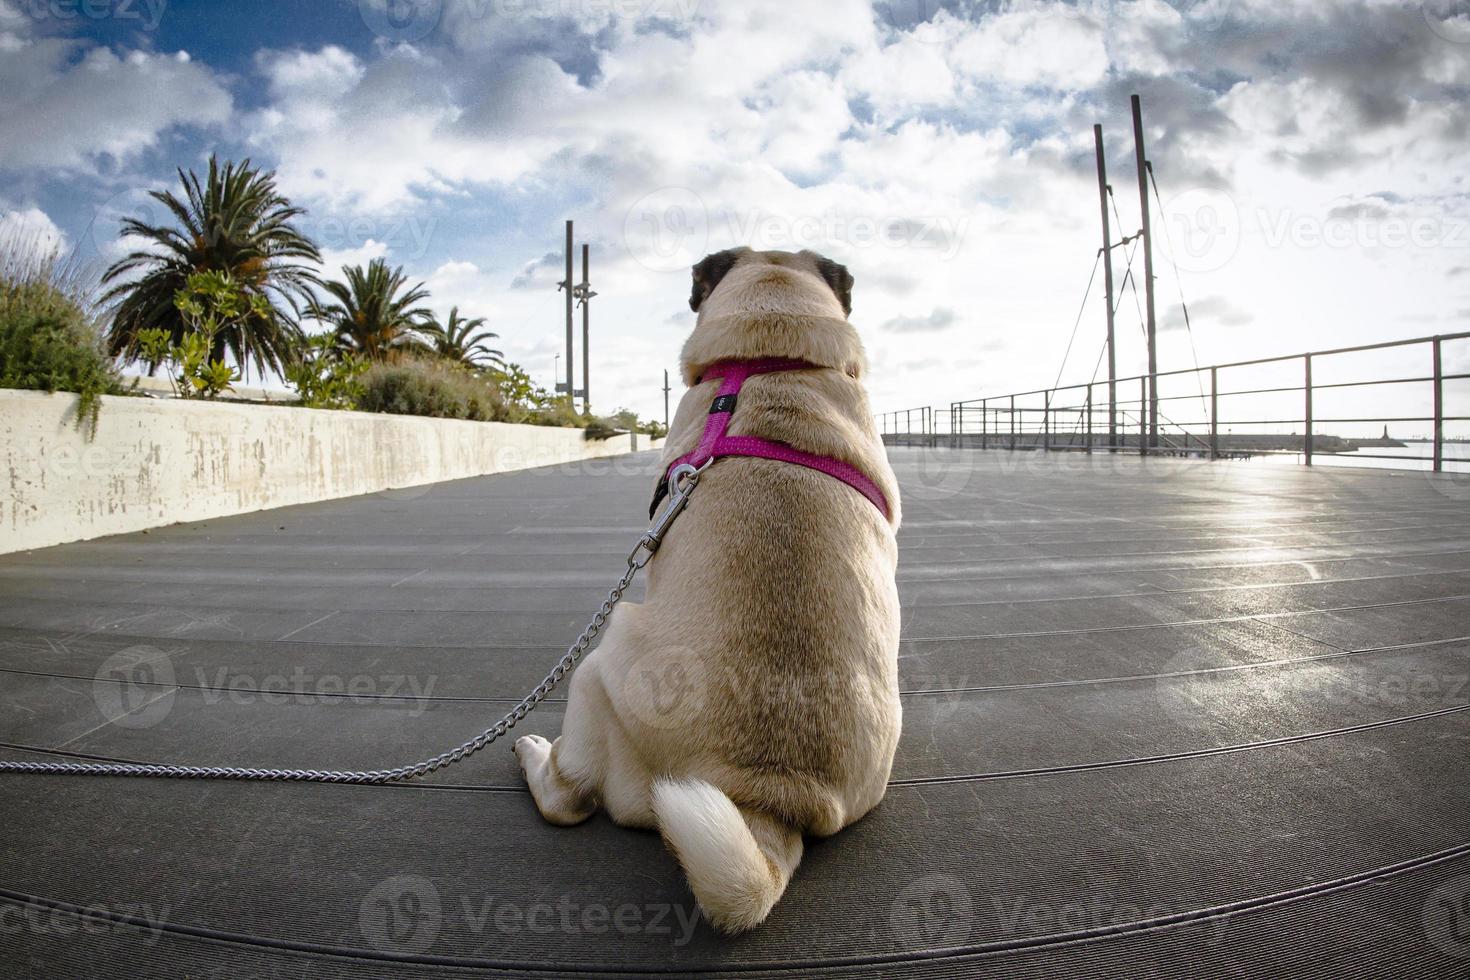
x=1160 y=717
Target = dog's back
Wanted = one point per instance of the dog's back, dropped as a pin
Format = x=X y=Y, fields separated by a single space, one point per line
x=753 y=696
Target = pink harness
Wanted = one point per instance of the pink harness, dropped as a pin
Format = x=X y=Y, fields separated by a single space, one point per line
x=715 y=444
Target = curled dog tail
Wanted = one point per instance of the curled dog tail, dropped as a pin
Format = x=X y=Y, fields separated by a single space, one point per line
x=737 y=861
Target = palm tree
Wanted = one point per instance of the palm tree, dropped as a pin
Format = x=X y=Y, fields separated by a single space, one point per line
x=462 y=340
x=374 y=314
x=234 y=222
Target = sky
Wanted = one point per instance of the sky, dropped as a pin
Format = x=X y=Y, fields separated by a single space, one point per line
x=1311 y=159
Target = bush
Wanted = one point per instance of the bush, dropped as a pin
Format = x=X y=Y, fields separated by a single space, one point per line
x=437 y=389
x=325 y=377
x=49 y=337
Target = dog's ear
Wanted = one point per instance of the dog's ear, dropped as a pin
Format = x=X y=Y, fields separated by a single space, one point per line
x=708 y=273
x=839 y=279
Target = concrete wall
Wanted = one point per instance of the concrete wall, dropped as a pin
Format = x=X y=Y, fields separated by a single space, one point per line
x=155 y=462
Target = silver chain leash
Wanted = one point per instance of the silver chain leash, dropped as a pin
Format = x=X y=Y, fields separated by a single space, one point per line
x=681 y=481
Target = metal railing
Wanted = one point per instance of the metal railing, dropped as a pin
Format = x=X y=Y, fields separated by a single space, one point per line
x=898 y=428
x=1077 y=417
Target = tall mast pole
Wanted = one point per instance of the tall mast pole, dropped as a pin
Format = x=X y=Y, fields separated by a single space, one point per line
x=571 y=385
x=1107 y=253
x=586 y=315
x=1148 y=277
x=666 y=400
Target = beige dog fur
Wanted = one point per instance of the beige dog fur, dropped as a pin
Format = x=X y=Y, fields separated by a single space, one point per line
x=752 y=697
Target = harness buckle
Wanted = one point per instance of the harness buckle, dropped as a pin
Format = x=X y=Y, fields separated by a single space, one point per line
x=682 y=481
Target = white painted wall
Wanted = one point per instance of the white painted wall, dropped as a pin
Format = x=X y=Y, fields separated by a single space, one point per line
x=155 y=462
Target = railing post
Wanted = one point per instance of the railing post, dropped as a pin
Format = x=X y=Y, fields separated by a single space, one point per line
x=1089 y=419
x=1438 y=405
x=1013 y=423
x=1307 y=441
x=1143 y=416
x=1046 y=422
x=984 y=423
x=1214 y=415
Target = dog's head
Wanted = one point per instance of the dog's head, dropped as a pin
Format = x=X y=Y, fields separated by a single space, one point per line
x=743 y=281
x=772 y=304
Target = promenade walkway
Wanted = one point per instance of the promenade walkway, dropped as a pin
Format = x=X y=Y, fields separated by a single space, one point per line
x=1161 y=716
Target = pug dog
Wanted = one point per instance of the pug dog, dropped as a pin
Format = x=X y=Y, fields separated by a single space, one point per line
x=752 y=698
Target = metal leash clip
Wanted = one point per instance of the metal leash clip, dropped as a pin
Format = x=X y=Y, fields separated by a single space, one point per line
x=682 y=481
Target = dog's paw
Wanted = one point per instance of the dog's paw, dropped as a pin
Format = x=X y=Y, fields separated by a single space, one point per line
x=531 y=749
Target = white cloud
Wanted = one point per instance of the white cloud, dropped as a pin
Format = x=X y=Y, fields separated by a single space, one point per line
x=333 y=259
x=67 y=104
x=947 y=162
x=32 y=230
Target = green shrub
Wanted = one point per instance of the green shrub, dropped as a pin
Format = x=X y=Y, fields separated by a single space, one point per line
x=437 y=389
x=325 y=377
x=49 y=337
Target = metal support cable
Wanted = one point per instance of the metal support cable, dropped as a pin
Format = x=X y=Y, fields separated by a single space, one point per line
x=1179 y=285
x=1086 y=294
